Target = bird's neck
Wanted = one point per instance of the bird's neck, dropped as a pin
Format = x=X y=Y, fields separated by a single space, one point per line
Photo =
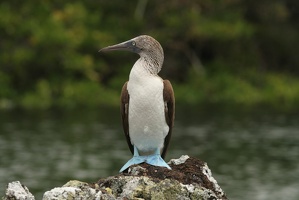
x=152 y=64
x=142 y=69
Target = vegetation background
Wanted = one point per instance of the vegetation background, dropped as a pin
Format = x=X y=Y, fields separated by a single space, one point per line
x=229 y=52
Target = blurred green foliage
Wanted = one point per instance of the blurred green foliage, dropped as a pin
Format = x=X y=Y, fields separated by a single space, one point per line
x=231 y=51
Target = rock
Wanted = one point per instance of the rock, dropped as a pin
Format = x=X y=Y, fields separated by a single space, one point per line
x=189 y=178
x=72 y=190
x=16 y=191
x=179 y=161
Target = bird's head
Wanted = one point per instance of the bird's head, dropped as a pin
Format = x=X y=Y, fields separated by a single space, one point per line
x=146 y=46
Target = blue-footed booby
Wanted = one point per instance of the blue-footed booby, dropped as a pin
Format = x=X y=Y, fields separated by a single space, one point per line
x=147 y=103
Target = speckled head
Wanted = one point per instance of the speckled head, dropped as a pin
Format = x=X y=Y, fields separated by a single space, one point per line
x=146 y=46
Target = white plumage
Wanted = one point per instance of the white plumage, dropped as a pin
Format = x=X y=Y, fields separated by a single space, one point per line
x=147 y=125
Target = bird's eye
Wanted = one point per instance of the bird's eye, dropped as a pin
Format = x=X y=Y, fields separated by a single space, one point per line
x=133 y=43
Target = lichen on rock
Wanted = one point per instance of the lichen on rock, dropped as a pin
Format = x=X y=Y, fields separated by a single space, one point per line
x=71 y=190
x=189 y=178
x=16 y=191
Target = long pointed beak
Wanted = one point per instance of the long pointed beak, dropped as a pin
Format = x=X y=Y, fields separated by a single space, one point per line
x=126 y=46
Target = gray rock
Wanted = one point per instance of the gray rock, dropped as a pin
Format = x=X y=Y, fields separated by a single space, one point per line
x=16 y=191
x=142 y=187
x=179 y=161
x=189 y=178
x=74 y=190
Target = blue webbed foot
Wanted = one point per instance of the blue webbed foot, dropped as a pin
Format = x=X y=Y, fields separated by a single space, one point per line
x=154 y=159
x=133 y=161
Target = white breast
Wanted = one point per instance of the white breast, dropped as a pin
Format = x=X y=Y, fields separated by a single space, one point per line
x=147 y=125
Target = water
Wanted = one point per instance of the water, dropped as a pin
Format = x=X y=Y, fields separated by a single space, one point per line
x=252 y=155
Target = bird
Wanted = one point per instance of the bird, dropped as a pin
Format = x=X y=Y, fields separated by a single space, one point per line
x=147 y=103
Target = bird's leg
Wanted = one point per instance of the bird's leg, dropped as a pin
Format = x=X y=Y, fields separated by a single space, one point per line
x=136 y=153
x=137 y=159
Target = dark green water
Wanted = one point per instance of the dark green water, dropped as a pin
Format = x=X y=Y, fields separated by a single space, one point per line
x=252 y=155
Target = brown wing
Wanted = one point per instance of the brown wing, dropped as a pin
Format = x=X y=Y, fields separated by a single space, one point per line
x=124 y=110
x=169 y=102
